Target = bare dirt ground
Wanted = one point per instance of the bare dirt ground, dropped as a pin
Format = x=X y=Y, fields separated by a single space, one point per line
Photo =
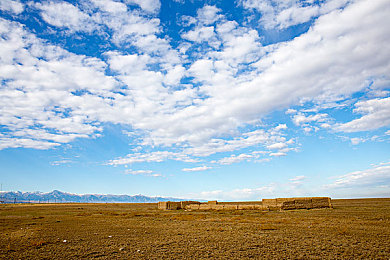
x=354 y=229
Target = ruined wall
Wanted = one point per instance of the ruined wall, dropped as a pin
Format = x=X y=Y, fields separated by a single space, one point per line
x=297 y=203
x=212 y=206
x=266 y=204
x=183 y=204
x=169 y=205
x=172 y=205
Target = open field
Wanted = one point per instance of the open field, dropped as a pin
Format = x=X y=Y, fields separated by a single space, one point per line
x=353 y=229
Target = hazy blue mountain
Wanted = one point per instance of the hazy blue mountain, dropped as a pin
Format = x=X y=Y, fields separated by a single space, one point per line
x=59 y=196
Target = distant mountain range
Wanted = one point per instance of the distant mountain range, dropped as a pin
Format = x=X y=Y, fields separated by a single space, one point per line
x=59 y=196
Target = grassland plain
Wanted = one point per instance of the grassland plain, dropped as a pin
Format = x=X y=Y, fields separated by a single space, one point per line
x=354 y=229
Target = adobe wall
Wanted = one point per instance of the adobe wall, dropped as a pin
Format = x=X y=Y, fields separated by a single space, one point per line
x=297 y=203
x=266 y=204
x=169 y=205
x=173 y=205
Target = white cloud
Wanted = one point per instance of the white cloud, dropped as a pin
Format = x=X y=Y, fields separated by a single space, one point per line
x=197 y=169
x=26 y=143
x=174 y=75
x=147 y=5
x=297 y=180
x=208 y=14
x=127 y=26
x=375 y=176
x=301 y=118
x=158 y=156
x=237 y=81
x=356 y=140
x=276 y=146
x=45 y=77
x=373 y=182
x=280 y=127
x=296 y=15
x=235 y=158
x=245 y=140
x=63 y=14
x=199 y=34
x=240 y=46
x=285 y=13
x=291 y=111
x=110 y=6
x=15 y=7
x=302 y=69
x=142 y=172
x=376 y=114
x=61 y=162
x=278 y=154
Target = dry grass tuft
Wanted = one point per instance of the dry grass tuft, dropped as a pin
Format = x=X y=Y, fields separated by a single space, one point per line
x=268 y=227
x=189 y=217
x=342 y=231
x=37 y=243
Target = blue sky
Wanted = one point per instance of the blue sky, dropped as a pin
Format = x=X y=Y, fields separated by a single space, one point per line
x=228 y=100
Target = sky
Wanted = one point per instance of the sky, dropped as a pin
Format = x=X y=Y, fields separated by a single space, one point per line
x=228 y=100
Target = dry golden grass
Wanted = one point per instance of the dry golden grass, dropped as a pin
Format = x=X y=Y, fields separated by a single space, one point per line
x=354 y=229
x=37 y=243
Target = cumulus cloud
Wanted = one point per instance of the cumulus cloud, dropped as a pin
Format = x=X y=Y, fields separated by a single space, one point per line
x=11 y=6
x=66 y=15
x=258 y=137
x=376 y=114
x=199 y=34
x=301 y=118
x=208 y=14
x=276 y=146
x=147 y=5
x=286 y=13
x=128 y=27
x=110 y=6
x=197 y=99
x=48 y=79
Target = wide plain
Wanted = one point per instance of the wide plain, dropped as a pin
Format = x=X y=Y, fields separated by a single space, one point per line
x=353 y=229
